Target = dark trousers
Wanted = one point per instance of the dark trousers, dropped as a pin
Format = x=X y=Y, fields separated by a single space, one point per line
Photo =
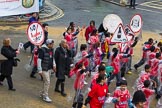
x=58 y=83
x=155 y=78
x=78 y=99
x=118 y=78
x=132 y=3
x=140 y=63
x=9 y=80
x=129 y=62
x=34 y=71
x=27 y=44
x=77 y=105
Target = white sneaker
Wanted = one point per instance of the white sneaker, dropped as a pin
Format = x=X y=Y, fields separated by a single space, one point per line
x=47 y=99
x=85 y=83
x=71 y=65
x=123 y=78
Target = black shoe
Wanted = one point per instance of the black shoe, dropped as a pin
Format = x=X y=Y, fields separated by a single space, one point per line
x=158 y=97
x=135 y=66
x=24 y=49
x=134 y=8
x=56 y=90
x=32 y=76
x=12 y=89
x=64 y=94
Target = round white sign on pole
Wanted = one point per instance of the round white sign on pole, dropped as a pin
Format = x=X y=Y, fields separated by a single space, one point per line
x=111 y=22
x=136 y=23
x=35 y=33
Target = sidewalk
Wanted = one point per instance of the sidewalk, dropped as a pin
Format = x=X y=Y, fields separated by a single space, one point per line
x=49 y=12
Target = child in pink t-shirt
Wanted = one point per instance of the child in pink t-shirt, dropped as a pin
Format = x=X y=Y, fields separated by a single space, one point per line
x=148 y=93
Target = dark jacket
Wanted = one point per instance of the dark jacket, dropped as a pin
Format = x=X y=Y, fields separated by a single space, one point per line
x=62 y=59
x=46 y=55
x=45 y=36
x=7 y=66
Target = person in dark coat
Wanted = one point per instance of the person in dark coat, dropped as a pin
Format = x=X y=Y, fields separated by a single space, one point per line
x=62 y=59
x=45 y=27
x=7 y=66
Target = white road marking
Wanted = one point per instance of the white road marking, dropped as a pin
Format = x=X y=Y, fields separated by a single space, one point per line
x=86 y=10
x=150 y=2
x=148 y=10
x=157 y=4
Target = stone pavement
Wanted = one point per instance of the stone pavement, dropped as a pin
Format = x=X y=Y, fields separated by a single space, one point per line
x=47 y=13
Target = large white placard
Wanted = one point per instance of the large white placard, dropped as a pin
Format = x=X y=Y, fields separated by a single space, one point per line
x=16 y=7
x=35 y=33
x=111 y=22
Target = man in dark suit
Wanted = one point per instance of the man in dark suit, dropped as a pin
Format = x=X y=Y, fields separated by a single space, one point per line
x=62 y=59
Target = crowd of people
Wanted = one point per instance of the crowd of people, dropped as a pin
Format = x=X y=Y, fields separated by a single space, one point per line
x=65 y=60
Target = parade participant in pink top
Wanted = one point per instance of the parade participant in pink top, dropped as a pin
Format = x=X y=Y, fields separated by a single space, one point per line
x=131 y=44
x=96 y=97
x=121 y=97
x=154 y=67
x=78 y=85
x=101 y=70
x=155 y=64
x=69 y=37
x=144 y=76
x=82 y=56
x=146 y=48
x=151 y=55
x=148 y=93
x=97 y=54
x=115 y=63
x=93 y=39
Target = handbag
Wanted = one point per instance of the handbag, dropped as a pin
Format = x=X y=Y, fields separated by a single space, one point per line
x=29 y=66
x=15 y=62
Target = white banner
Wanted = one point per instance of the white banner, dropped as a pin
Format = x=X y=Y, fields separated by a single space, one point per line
x=16 y=7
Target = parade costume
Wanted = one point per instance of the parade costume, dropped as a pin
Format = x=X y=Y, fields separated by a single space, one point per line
x=148 y=93
x=97 y=95
x=146 y=48
x=123 y=96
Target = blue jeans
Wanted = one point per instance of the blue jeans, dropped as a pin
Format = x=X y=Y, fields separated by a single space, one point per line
x=118 y=78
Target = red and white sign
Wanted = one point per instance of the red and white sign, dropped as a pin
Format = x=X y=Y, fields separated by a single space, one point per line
x=35 y=33
x=136 y=23
x=123 y=46
x=119 y=35
x=128 y=32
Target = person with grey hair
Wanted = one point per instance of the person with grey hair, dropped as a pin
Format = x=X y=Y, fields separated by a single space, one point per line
x=62 y=59
x=46 y=64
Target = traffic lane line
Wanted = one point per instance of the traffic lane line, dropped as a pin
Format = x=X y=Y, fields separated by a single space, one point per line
x=150 y=2
x=148 y=10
